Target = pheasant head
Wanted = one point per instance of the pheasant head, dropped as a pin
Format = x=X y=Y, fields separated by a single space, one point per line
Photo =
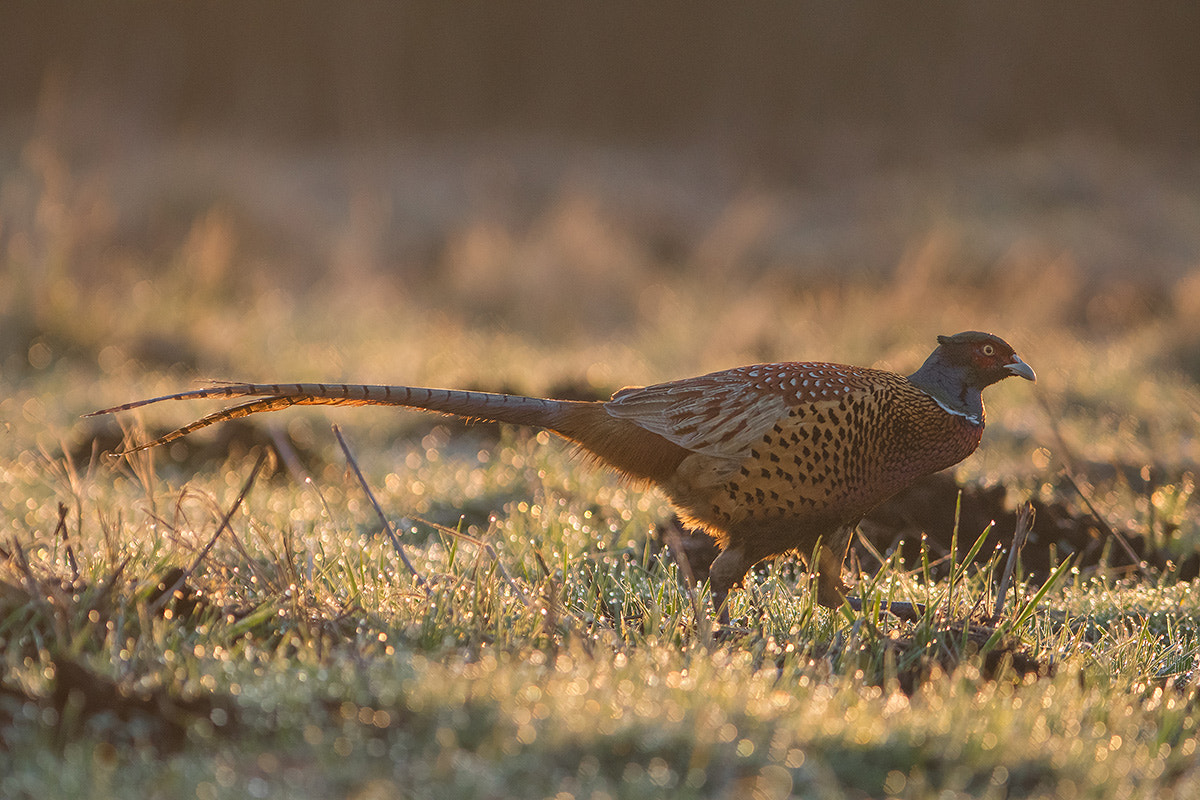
x=962 y=366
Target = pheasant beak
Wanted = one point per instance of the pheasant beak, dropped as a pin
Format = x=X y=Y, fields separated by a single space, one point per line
x=1020 y=369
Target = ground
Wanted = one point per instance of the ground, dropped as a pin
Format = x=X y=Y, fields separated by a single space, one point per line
x=193 y=621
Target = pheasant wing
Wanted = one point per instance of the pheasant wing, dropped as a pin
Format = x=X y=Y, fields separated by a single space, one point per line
x=725 y=413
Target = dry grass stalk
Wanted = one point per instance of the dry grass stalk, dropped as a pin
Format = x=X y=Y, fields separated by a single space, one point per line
x=1020 y=534
x=387 y=525
x=166 y=596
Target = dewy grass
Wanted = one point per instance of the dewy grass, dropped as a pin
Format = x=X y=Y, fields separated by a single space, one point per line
x=557 y=650
x=342 y=677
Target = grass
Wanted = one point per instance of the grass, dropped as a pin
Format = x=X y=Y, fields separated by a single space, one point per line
x=329 y=671
x=550 y=647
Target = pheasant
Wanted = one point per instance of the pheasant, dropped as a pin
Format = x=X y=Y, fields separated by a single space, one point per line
x=766 y=458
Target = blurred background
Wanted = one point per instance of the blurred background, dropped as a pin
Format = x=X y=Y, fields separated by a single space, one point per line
x=534 y=195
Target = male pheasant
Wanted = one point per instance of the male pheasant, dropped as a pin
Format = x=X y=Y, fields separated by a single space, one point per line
x=767 y=458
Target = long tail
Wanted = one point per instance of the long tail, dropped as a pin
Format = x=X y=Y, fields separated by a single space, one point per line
x=619 y=443
x=514 y=409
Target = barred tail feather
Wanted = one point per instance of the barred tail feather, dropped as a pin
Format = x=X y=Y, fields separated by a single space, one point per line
x=244 y=410
x=620 y=443
x=487 y=406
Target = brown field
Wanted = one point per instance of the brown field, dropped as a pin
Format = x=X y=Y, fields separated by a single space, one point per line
x=567 y=202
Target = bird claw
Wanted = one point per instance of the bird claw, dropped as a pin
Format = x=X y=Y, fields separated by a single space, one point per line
x=906 y=611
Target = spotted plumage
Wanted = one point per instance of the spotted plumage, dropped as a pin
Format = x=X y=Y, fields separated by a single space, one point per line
x=768 y=458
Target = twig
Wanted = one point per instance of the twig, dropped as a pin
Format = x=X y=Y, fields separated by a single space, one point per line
x=1108 y=529
x=1070 y=471
x=484 y=546
x=1024 y=525
x=62 y=531
x=387 y=525
x=166 y=596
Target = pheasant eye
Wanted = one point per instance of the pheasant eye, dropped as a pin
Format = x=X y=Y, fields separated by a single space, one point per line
x=989 y=350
